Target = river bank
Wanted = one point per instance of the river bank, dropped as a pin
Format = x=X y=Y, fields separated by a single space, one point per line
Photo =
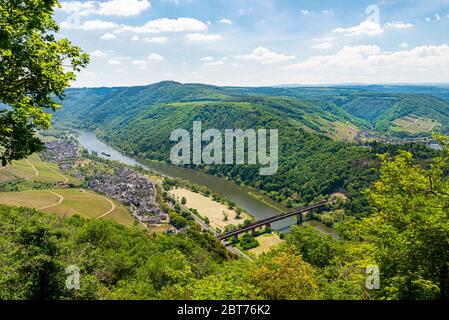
x=244 y=197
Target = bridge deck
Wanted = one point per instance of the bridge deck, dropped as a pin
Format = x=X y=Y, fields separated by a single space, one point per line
x=270 y=220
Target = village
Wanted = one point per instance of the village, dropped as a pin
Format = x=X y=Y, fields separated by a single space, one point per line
x=133 y=190
x=125 y=185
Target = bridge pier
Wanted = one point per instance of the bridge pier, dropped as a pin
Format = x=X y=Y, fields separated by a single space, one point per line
x=268 y=226
x=253 y=232
x=236 y=238
x=300 y=219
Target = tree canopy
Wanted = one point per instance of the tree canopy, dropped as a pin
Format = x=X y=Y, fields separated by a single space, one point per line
x=35 y=69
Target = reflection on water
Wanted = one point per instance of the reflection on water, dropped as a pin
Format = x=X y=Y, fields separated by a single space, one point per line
x=228 y=189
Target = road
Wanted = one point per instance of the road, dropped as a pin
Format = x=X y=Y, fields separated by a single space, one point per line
x=66 y=180
x=61 y=199
x=204 y=226
x=36 y=172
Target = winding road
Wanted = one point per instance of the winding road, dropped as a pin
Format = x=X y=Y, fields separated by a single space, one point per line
x=61 y=199
x=66 y=180
x=36 y=172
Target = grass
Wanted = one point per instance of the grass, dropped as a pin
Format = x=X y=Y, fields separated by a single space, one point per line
x=267 y=242
x=209 y=208
x=30 y=199
x=86 y=204
x=46 y=172
x=343 y=131
x=415 y=125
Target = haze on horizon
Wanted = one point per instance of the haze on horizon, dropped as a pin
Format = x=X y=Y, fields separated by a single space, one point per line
x=259 y=42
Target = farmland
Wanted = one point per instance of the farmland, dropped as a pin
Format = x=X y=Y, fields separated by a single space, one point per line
x=415 y=125
x=68 y=202
x=34 y=169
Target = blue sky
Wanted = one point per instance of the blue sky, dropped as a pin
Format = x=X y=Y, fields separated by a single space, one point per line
x=259 y=42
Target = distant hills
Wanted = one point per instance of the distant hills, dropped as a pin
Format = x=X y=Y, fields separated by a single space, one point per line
x=313 y=124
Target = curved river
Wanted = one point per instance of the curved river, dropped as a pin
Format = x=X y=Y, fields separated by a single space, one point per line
x=241 y=195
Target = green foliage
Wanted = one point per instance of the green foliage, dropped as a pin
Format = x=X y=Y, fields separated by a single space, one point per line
x=35 y=68
x=248 y=242
x=115 y=262
x=408 y=231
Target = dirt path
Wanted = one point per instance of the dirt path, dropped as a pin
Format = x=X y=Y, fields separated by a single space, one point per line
x=66 y=180
x=113 y=207
x=433 y=126
x=411 y=124
x=1 y=168
x=61 y=199
x=36 y=172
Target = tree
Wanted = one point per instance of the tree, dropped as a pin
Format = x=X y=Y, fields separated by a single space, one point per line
x=410 y=227
x=238 y=213
x=285 y=276
x=35 y=69
x=183 y=200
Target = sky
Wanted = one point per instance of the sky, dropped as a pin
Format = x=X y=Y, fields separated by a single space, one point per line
x=259 y=42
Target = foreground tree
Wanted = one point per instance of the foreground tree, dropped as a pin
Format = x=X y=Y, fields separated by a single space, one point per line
x=35 y=69
x=410 y=227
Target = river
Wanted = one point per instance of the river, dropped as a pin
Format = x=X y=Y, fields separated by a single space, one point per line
x=241 y=195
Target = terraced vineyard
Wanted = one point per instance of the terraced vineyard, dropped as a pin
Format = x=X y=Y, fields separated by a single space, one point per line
x=52 y=199
x=34 y=169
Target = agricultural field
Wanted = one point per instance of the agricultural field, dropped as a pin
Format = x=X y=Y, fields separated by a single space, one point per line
x=267 y=242
x=343 y=131
x=415 y=125
x=34 y=169
x=209 y=208
x=67 y=202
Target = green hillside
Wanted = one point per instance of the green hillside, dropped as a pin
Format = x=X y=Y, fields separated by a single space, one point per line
x=379 y=106
x=139 y=120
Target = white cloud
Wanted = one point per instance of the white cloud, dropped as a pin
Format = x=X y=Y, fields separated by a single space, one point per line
x=115 y=62
x=135 y=38
x=369 y=64
x=399 y=25
x=214 y=63
x=403 y=45
x=124 y=8
x=156 y=40
x=265 y=56
x=140 y=63
x=328 y=12
x=98 y=54
x=82 y=8
x=323 y=46
x=428 y=19
x=225 y=21
x=155 y=57
x=168 y=25
x=437 y=17
x=305 y=12
x=207 y=59
x=89 y=25
x=108 y=36
x=366 y=28
x=203 y=37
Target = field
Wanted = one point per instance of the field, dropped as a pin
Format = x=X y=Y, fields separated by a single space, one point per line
x=415 y=125
x=343 y=131
x=67 y=202
x=266 y=243
x=206 y=207
x=35 y=170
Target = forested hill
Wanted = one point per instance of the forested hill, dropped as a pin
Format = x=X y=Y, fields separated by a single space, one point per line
x=377 y=104
x=139 y=120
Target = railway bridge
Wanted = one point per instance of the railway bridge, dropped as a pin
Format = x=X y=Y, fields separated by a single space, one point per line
x=268 y=221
